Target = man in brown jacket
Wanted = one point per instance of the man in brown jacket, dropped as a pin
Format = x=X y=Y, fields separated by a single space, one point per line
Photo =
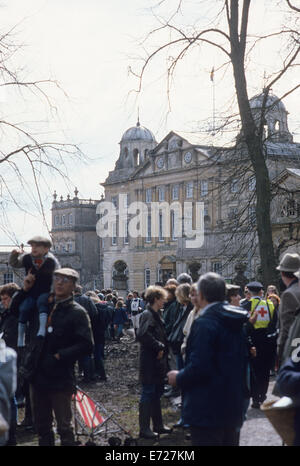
x=290 y=298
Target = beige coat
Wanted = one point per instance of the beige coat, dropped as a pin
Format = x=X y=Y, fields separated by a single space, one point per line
x=187 y=328
x=290 y=302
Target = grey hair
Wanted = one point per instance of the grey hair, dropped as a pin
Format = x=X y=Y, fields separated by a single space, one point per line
x=184 y=278
x=212 y=287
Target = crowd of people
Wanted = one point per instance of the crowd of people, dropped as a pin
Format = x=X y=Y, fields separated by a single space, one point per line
x=212 y=343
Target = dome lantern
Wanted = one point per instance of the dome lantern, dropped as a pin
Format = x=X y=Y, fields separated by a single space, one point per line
x=135 y=144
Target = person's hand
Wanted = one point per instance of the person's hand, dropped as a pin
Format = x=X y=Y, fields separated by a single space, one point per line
x=253 y=318
x=28 y=281
x=160 y=354
x=253 y=351
x=172 y=378
x=16 y=252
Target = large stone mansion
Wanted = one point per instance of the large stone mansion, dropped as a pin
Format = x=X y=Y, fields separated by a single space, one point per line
x=178 y=170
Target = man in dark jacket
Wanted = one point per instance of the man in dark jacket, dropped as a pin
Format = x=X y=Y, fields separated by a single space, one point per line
x=212 y=380
x=68 y=337
x=11 y=296
x=86 y=362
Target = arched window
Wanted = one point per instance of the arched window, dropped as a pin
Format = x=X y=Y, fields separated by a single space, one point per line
x=125 y=152
x=136 y=157
x=277 y=125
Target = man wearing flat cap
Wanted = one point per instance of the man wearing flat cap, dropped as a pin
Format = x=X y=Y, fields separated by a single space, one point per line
x=290 y=298
x=68 y=337
x=261 y=331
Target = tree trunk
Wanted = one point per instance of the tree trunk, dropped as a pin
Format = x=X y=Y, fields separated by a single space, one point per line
x=254 y=144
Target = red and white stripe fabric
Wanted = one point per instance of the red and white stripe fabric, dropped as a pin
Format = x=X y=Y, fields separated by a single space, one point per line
x=88 y=410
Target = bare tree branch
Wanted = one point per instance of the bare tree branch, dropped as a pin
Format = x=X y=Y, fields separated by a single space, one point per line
x=292 y=6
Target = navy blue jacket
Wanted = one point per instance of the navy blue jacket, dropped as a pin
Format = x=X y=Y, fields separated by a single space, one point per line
x=213 y=379
x=288 y=384
x=120 y=316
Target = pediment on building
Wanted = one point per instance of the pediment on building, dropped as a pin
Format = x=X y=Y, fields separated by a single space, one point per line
x=171 y=143
x=288 y=179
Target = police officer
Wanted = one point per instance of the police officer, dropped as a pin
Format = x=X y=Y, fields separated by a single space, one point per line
x=261 y=330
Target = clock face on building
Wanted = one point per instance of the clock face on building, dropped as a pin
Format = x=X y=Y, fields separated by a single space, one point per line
x=160 y=162
x=188 y=157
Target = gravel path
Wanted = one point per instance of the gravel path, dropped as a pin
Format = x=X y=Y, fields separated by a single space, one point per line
x=257 y=430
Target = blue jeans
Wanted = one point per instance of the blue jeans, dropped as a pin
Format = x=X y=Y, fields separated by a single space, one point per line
x=151 y=392
x=119 y=329
x=29 y=303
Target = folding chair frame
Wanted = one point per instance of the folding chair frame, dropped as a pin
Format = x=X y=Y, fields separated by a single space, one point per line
x=81 y=429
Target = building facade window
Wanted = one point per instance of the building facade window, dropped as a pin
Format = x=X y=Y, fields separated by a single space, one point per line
x=252 y=214
x=149 y=195
x=148 y=237
x=161 y=193
x=126 y=200
x=70 y=219
x=175 y=192
x=232 y=212
x=114 y=200
x=204 y=188
x=189 y=190
x=217 y=267
x=252 y=183
x=114 y=234
x=173 y=225
x=56 y=220
x=126 y=235
x=160 y=227
x=8 y=277
x=64 y=220
x=188 y=222
x=147 y=278
x=234 y=186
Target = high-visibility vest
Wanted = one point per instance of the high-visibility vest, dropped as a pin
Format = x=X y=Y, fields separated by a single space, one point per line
x=265 y=311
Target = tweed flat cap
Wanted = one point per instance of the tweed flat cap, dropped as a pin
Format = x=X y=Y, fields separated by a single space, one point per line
x=41 y=240
x=254 y=286
x=289 y=263
x=67 y=272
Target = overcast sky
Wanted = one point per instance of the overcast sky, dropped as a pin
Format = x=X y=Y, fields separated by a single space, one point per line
x=88 y=46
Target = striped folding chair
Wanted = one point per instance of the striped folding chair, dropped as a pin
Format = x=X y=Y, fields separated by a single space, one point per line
x=91 y=419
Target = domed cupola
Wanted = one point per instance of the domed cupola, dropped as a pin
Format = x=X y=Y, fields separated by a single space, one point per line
x=138 y=133
x=275 y=124
x=135 y=144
